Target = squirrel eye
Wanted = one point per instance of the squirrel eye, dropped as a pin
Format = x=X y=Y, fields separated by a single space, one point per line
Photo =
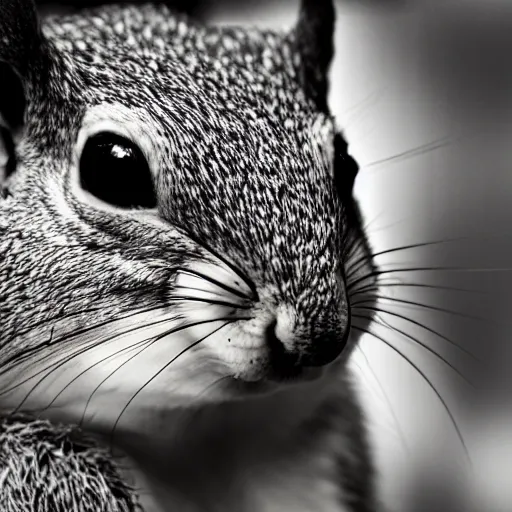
x=114 y=170
x=7 y=154
x=345 y=167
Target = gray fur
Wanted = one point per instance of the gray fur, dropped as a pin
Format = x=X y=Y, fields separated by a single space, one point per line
x=46 y=467
x=245 y=149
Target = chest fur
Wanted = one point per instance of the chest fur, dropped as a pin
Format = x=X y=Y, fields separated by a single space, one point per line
x=306 y=483
x=264 y=462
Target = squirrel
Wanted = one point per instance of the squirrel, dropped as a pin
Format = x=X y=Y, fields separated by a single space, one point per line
x=179 y=249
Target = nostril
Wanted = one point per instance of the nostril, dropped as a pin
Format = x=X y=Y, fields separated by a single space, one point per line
x=281 y=359
x=289 y=357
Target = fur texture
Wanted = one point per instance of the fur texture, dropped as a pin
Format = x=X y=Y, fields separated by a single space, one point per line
x=46 y=467
x=253 y=185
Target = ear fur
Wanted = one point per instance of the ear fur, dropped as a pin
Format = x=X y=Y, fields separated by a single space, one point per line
x=20 y=58
x=312 y=38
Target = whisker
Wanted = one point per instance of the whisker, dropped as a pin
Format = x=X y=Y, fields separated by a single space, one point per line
x=58 y=364
x=354 y=244
x=57 y=317
x=190 y=288
x=380 y=272
x=386 y=399
x=422 y=305
x=85 y=330
x=369 y=224
x=185 y=350
x=24 y=355
x=422 y=344
x=360 y=107
x=151 y=343
x=215 y=282
x=380 y=284
x=422 y=326
x=115 y=354
x=64 y=316
x=350 y=247
x=429 y=383
x=419 y=245
x=230 y=265
x=417 y=151
x=389 y=225
x=214 y=302
x=147 y=343
x=216 y=382
x=364 y=258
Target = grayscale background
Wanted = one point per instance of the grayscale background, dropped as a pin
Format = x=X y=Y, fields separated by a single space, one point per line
x=423 y=92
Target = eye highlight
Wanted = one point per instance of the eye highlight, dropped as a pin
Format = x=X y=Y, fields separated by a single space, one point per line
x=345 y=167
x=113 y=169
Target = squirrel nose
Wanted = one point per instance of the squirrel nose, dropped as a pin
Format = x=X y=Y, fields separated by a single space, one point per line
x=319 y=350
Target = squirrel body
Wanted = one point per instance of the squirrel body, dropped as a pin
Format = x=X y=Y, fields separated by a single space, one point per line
x=194 y=317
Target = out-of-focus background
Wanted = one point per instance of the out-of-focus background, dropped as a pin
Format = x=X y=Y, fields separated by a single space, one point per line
x=423 y=91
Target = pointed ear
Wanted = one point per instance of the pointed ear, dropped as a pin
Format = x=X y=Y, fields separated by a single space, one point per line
x=20 y=58
x=313 y=41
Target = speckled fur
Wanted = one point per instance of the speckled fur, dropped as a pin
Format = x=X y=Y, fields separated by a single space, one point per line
x=224 y=88
x=51 y=468
x=242 y=147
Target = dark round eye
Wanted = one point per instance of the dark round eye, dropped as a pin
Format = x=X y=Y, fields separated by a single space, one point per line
x=7 y=153
x=345 y=167
x=113 y=169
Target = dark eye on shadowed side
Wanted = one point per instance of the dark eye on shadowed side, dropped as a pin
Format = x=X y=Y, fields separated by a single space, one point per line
x=345 y=167
x=114 y=170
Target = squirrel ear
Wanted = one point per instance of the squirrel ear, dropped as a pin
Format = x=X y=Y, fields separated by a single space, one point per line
x=20 y=52
x=312 y=39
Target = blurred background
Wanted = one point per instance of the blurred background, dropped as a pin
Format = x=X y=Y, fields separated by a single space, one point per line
x=423 y=92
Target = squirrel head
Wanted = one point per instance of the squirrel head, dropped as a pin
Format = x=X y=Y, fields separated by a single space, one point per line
x=177 y=188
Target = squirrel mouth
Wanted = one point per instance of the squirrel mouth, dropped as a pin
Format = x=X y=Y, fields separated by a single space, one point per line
x=280 y=373
x=272 y=364
x=294 y=375
x=284 y=366
x=276 y=380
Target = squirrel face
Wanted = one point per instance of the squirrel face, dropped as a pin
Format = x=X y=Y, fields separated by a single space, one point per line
x=181 y=194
